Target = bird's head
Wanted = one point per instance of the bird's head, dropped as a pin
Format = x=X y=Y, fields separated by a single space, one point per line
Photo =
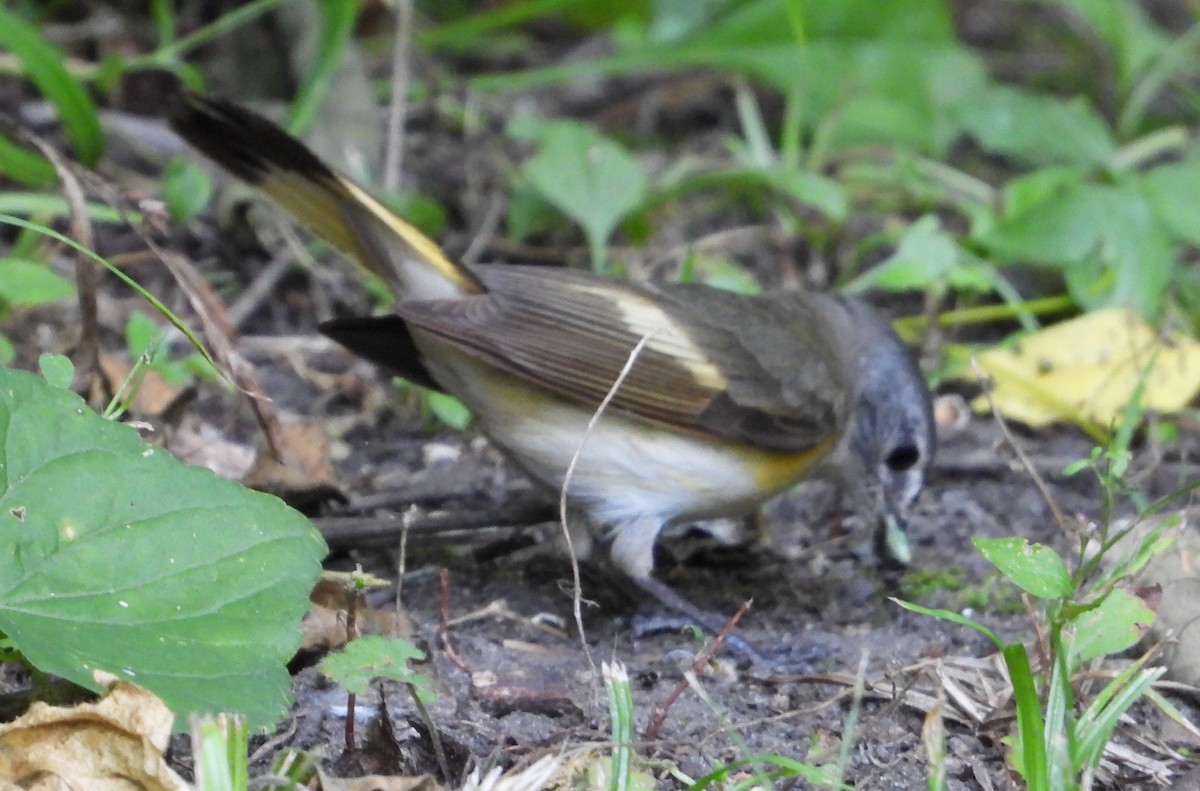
x=890 y=441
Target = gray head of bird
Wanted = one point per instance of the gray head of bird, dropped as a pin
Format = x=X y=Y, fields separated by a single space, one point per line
x=890 y=441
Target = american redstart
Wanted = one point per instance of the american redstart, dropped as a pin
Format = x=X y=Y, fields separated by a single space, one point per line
x=730 y=400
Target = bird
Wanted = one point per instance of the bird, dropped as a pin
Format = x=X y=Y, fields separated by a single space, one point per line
x=714 y=401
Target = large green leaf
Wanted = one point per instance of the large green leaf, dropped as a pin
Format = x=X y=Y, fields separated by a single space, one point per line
x=119 y=557
x=1174 y=192
x=587 y=177
x=1036 y=129
x=1106 y=238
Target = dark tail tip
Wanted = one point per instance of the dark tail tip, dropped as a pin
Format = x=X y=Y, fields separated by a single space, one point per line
x=240 y=140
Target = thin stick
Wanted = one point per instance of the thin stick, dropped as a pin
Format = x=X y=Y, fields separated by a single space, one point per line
x=1038 y=481
x=397 y=109
x=659 y=715
x=444 y=624
x=577 y=582
x=351 y=634
x=87 y=357
x=402 y=560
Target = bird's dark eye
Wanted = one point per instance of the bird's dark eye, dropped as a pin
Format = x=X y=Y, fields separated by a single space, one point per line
x=902 y=458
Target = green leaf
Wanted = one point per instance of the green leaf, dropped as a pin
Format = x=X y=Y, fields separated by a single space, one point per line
x=219 y=749
x=24 y=166
x=751 y=183
x=529 y=213
x=719 y=272
x=1095 y=725
x=421 y=210
x=1030 y=747
x=7 y=352
x=141 y=333
x=865 y=120
x=57 y=370
x=922 y=79
x=186 y=188
x=368 y=658
x=1126 y=30
x=24 y=282
x=119 y=557
x=952 y=617
x=1036 y=129
x=1025 y=193
x=37 y=203
x=143 y=336
x=1116 y=624
x=1034 y=568
x=1174 y=193
x=43 y=65
x=587 y=177
x=926 y=257
x=448 y=409
x=1106 y=239
x=812 y=189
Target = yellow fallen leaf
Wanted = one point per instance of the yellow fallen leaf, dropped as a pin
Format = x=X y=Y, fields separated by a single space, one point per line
x=1087 y=369
x=114 y=744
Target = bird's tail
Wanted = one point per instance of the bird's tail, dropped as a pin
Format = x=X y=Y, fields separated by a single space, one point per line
x=333 y=207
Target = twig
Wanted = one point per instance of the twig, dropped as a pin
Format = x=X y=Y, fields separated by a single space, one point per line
x=659 y=715
x=444 y=624
x=402 y=558
x=208 y=307
x=435 y=738
x=486 y=231
x=87 y=362
x=221 y=336
x=1038 y=481
x=851 y=724
x=351 y=633
x=261 y=289
x=394 y=155
x=577 y=582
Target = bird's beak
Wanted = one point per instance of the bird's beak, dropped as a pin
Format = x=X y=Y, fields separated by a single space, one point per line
x=891 y=539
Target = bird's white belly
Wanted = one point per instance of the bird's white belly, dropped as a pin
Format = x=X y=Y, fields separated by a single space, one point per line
x=628 y=469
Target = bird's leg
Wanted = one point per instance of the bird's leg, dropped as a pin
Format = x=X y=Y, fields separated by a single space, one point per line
x=633 y=552
x=711 y=622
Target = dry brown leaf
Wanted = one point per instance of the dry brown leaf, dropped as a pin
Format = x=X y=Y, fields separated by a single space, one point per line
x=114 y=744
x=305 y=472
x=154 y=395
x=324 y=625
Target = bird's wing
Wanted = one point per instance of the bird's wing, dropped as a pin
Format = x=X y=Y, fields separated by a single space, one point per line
x=711 y=362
